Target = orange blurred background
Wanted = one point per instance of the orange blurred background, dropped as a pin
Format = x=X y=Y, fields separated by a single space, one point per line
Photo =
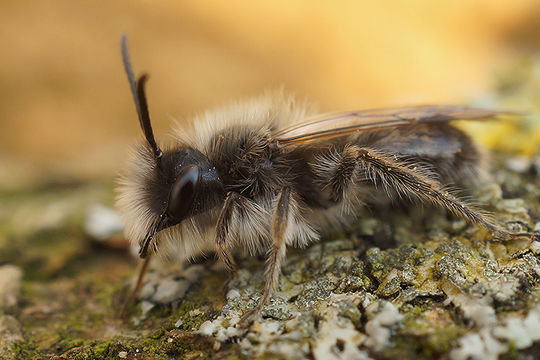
x=65 y=105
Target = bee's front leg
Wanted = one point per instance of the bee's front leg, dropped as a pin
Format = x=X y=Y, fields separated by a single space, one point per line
x=138 y=285
x=236 y=208
x=223 y=227
x=276 y=253
x=223 y=247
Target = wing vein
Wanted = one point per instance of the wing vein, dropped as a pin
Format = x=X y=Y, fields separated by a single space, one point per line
x=345 y=123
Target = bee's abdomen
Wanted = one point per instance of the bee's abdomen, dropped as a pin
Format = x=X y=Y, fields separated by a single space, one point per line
x=447 y=150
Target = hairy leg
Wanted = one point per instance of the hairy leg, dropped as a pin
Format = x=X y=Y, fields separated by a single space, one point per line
x=276 y=252
x=409 y=180
x=239 y=219
x=404 y=179
x=222 y=230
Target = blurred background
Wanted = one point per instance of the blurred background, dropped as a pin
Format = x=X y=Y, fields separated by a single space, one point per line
x=66 y=110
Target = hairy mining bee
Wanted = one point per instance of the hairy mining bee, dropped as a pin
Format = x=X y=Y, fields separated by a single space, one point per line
x=269 y=173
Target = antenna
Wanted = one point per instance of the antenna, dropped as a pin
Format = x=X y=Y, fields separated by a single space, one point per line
x=139 y=96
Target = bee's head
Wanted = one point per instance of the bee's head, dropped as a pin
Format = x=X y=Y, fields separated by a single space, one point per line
x=182 y=185
x=162 y=188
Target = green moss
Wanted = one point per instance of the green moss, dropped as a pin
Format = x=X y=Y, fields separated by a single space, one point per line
x=25 y=350
x=98 y=351
x=179 y=344
x=512 y=353
x=431 y=346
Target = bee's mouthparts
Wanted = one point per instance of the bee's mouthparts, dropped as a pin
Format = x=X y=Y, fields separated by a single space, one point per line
x=154 y=229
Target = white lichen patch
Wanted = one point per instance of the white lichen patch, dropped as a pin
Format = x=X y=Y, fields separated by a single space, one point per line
x=102 y=222
x=223 y=328
x=480 y=345
x=383 y=316
x=170 y=285
x=337 y=336
x=521 y=332
x=489 y=342
x=494 y=335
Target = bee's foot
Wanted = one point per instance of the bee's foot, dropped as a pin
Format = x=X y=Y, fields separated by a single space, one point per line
x=225 y=287
x=249 y=317
x=503 y=235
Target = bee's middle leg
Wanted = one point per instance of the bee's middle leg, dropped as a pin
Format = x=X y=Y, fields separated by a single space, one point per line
x=276 y=252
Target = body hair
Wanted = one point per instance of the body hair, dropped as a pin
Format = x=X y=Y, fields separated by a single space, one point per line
x=252 y=220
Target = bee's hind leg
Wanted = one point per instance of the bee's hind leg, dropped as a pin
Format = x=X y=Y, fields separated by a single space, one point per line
x=276 y=253
x=409 y=180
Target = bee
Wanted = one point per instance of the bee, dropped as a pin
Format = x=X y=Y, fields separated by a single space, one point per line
x=270 y=173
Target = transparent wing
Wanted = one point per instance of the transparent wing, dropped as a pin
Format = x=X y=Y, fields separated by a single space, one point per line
x=322 y=127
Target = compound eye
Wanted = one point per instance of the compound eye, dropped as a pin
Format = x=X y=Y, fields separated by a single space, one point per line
x=183 y=193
